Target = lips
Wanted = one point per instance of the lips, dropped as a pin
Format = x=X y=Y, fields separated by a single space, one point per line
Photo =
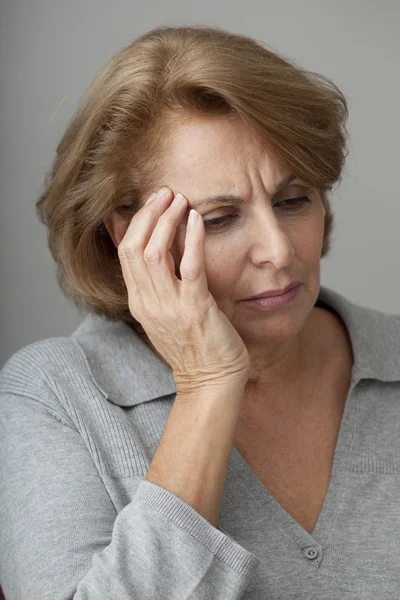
x=268 y=294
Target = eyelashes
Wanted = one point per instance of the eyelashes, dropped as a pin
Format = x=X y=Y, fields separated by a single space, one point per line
x=292 y=205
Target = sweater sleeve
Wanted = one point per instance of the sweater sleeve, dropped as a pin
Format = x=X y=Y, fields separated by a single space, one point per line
x=62 y=538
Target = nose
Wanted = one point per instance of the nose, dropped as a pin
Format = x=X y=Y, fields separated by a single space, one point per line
x=268 y=242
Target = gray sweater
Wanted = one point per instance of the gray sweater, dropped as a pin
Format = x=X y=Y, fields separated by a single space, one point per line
x=80 y=420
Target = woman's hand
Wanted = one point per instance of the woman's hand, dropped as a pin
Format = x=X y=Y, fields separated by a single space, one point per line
x=181 y=318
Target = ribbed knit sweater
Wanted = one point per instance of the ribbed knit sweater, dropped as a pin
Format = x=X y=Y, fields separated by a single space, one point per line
x=81 y=417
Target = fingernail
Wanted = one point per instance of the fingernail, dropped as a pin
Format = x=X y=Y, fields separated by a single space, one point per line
x=193 y=216
x=177 y=200
x=162 y=193
x=153 y=195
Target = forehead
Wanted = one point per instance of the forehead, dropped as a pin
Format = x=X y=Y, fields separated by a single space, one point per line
x=215 y=151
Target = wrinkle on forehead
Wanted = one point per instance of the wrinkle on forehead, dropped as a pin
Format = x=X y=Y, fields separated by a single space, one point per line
x=210 y=156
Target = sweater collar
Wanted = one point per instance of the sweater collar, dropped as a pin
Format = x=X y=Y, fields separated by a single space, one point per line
x=128 y=373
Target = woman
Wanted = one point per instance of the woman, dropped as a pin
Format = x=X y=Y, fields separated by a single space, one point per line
x=186 y=441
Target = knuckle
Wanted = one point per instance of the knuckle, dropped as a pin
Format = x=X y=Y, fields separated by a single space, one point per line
x=189 y=271
x=128 y=252
x=151 y=255
x=124 y=251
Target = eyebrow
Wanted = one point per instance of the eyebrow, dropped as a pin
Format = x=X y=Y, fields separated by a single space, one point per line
x=235 y=200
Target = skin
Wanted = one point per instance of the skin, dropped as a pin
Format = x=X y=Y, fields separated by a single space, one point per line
x=263 y=248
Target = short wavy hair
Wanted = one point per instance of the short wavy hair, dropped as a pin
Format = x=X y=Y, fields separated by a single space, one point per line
x=110 y=157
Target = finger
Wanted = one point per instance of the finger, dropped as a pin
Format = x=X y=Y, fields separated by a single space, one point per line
x=194 y=288
x=131 y=247
x=157 y=255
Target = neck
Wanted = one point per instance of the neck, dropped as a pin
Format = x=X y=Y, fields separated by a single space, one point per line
x=282 y=379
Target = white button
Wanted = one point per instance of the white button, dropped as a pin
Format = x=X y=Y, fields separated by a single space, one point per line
x=310 y=553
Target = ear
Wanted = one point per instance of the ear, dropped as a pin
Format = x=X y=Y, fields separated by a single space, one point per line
x=116 y=227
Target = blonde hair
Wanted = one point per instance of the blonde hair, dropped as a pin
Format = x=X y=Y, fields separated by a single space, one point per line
x=111 y=154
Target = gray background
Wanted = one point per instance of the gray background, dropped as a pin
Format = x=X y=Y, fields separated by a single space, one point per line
x=50 y=50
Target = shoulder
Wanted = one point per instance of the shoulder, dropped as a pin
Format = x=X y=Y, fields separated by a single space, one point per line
x=52 y=371
x=41 y=360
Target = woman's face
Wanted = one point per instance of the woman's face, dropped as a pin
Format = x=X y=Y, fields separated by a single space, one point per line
x=262 y=243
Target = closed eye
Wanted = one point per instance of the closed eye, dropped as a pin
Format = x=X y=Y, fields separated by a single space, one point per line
x=289 y=205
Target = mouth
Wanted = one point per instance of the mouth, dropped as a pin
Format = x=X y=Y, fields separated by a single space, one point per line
x=272 y=293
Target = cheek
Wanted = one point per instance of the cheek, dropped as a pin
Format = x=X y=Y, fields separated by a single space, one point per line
x=220 y=268
x=223 y=271
x=307 y=240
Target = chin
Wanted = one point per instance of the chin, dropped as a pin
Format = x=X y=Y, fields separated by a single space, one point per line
x=271 y=326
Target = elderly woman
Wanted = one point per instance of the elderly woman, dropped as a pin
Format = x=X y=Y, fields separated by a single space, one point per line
x=219 y=426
